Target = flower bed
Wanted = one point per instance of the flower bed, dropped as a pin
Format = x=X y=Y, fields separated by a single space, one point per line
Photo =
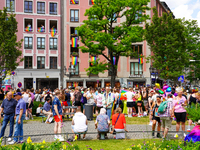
x=166 y=145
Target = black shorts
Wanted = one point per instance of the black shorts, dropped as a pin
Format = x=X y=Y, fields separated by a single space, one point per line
x=180 y=117
x=156 y=118
x=98 y=108
x=130 y=104
x=77 y=103
x=27 y=105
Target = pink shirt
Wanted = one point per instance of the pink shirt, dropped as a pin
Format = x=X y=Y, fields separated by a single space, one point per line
x=32 y=96
x=178 y=105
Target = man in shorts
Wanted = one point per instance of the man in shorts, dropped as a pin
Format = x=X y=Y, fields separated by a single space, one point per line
x=57 y=113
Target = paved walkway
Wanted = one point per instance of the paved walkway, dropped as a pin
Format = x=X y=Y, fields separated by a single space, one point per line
x=35 y=128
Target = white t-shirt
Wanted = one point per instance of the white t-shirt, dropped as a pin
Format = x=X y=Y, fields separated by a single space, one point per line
x=99 y=98
x=91 y=98
x=26 y=97
x=80 y=122
x=38 y=110
x=154 y=97
x=116 y=96
x=129 y=96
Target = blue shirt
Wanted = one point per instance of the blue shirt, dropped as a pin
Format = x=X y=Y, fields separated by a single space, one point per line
x=102 y=122
x=47 y=106
x=56 y=102
x=9 y=106
x=20 y=105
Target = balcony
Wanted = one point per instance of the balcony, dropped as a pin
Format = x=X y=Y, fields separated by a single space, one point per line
x=136 y=74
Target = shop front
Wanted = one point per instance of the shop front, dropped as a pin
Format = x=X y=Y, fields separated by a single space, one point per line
x=74 y=84
x=49 y=83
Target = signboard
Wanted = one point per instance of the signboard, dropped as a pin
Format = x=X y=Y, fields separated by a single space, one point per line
x=181 y=79
x=19 y=84
x=130 y=84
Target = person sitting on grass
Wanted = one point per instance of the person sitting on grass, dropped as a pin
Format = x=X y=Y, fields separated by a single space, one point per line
x=119 y=124
x=39 y=110
x=102 y=122
x=79 y=123
x=47 y=111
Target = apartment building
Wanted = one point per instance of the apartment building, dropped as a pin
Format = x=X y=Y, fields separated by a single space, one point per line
x=39 y=24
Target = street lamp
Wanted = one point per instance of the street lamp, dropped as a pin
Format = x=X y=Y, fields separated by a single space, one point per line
x=153 y=70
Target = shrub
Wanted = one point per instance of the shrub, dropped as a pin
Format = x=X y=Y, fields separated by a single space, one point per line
x=35 y=106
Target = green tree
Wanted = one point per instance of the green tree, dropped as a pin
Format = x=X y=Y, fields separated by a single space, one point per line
x=166 y=38
x=9 y=46
x=101 y=36
x=192 y=33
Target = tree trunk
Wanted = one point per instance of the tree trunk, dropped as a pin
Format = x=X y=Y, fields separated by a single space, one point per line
x=113 y=76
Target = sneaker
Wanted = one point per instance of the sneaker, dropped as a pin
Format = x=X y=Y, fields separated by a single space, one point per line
x=188 y=130
x=151 y=123
x=61 y=139
x=176 y=135
x=12 y=142
x=9 y=139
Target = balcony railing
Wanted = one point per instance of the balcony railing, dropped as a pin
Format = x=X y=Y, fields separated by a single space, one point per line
x=136 y=74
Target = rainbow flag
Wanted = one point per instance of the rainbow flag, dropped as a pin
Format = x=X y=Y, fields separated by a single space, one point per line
x=40 y=29
x=137 y=86
x=74 y=2
x=74 y=41
x=114 y=60
x=28 y=29
x=92 y=1
x=194 y=135
x=122 y=97
x=74 y=60
x=93 y=59
x=53 y=32
x=140 y=60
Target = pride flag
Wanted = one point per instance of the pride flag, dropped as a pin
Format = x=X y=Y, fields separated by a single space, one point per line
x=74 y=41
x=74 y=60
x=40 y=29
x=194 y=135
x=74 y=2
x=114 y=60
x=122 y=97
x=28 y=29
x=140 y=60
x=93 y=59
x=53 y=32
x=92 y=1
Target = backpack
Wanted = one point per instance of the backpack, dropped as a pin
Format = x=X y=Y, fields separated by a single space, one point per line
x=163 y=106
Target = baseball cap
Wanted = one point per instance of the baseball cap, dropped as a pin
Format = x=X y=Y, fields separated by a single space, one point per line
x=18 y=93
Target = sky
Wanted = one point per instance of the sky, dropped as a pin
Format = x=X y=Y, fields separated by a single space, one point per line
x=190 y=9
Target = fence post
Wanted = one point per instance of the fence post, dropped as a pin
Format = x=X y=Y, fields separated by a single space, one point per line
x=4 y=140
x=67 y=136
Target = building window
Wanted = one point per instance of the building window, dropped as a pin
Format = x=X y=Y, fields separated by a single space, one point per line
x=53 y=43
x=74 y=32
x=74 y=1
x=53 y=24
x=40 y=43
x=136 y=68
x=28 y=42
x=138 y=16
x=10 y=4
x=91 y=2
x=28 y=6
x=76 y=73
x=53 y=62
x=28 y=62
x=74 y=15
x=74 y=51
x=53 y=9
x=40 y=25
x=40 y=62
x=138 y=50
x=41 y=7
x=28 y=25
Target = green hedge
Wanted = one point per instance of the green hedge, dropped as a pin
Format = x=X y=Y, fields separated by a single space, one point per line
x=35 y=106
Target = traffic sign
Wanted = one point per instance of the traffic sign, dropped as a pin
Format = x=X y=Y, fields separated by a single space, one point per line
x=13 y=73
x=19 y=84
x=181 y=79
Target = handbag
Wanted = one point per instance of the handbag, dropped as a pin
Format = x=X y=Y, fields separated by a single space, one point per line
x=114 y=132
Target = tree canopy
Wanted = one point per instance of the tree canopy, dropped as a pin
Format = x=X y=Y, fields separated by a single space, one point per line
x=101 y=35
x=9 y=46
x=167 y=40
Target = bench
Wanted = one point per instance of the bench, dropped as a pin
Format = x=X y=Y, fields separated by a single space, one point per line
x=102 y=135
x=70 y=107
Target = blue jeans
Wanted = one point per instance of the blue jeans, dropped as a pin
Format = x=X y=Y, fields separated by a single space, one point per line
x=19 y=129
x=5 y=122
x=108 y=111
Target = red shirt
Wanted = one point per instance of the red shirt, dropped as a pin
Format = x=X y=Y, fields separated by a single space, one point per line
x=120 y=122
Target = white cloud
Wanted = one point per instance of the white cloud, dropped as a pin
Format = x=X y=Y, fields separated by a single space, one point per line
x=183 y=11
x=175 y=3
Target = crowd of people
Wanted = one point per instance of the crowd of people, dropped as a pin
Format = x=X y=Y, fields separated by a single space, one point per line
x=161 y=104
